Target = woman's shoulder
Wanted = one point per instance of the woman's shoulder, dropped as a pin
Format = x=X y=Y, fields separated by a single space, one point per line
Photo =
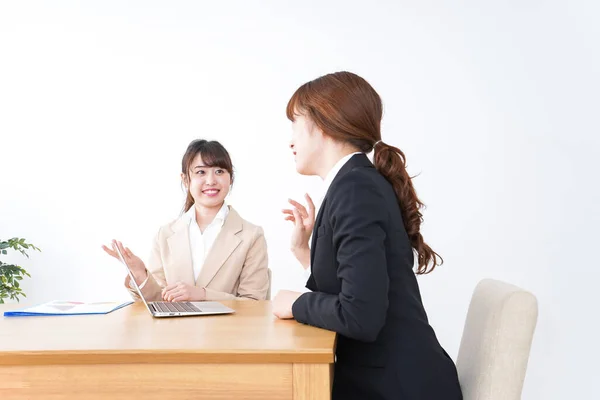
x=247 y=226
x=365 y=182
x=169 y=228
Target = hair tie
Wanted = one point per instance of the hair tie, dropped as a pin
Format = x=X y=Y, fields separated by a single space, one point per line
x=376 y=143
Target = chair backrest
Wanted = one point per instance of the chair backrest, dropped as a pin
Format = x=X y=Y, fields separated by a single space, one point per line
x=494 y=350
x=270 y=280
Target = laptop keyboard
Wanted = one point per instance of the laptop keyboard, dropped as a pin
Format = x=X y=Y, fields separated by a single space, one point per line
x=165 y=306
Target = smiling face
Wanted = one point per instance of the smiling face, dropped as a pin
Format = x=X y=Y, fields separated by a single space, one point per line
x=206 y=173
x=208 y=185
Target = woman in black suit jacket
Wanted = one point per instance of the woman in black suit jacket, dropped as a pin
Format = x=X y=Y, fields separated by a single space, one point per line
x=365 y=237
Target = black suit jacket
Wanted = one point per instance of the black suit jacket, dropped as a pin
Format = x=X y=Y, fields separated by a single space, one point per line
x=364 y=288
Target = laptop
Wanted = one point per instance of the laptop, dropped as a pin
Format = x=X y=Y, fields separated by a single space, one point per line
x=161 y=309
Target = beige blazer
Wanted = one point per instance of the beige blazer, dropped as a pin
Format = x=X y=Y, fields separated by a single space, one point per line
x=235 y=267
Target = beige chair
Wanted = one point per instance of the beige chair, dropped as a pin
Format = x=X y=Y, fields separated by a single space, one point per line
x=495 y=345
x=270 y=280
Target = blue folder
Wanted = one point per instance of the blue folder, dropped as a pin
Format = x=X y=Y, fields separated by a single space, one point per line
x=59 y=307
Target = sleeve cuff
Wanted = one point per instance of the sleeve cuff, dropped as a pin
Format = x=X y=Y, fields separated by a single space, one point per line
x=298 y=309
x=142 y=285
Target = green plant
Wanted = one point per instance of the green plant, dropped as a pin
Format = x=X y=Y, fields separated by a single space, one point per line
x=11 y=274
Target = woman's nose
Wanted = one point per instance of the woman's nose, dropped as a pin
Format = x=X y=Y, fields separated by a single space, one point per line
x=210 y=179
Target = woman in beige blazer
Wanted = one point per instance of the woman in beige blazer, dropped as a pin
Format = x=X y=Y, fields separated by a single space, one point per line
x=210 y=252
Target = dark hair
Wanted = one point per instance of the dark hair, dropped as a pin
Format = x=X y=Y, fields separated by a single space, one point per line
x=213 y=155
x=347 y=108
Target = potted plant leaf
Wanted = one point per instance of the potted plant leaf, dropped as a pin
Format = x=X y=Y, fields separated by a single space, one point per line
x=11 y=274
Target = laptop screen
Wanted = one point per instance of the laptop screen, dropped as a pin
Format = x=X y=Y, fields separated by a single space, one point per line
x=137 y=288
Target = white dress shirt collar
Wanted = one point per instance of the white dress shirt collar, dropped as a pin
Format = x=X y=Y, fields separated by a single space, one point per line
x=202 y=242
x=334 y=171
x=219 y=218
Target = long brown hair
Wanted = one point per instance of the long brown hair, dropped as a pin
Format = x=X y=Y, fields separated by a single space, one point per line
x=347 y=108
x=213 y=155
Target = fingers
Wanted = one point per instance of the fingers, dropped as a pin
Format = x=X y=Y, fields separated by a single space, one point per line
x=311 y=206
x=171 y=286
x=291 y=212
x=110 y=252
x=297 y=219
x=115 y=246
x=125 y=251
x=180 y=297
x=170 y=294
x=299 y=207
x=290 y=215
x=128 y=252
x=304 y=213
x=119 y=245
x=166 y=290
x=173 y=290
x=170 y=289
x=177 y=295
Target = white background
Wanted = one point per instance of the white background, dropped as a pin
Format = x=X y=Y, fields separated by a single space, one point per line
x=493 y=105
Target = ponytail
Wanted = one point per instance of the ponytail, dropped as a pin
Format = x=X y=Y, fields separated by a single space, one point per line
x=189 y=200
x=391 y=163
x=347 y=108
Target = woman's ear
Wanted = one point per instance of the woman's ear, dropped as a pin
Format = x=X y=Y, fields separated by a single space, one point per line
x=184 y=181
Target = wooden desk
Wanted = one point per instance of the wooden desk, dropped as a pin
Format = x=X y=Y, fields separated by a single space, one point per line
x=127 y=354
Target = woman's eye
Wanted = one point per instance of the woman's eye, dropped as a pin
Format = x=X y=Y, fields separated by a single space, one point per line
x=199 y=172
x=220 y=171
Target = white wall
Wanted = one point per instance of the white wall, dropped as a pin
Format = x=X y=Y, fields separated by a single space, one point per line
x=493 y=105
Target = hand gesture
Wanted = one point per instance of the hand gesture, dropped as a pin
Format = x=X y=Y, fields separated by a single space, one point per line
x=180 y=291
x=136 y=265
x=304 y=222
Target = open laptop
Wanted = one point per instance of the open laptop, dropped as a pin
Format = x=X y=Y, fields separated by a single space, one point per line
x=177 y=309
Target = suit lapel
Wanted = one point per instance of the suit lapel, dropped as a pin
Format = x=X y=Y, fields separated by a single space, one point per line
x=181 y=255
x=357 y=160
x=313 y=241
x=225 y=243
